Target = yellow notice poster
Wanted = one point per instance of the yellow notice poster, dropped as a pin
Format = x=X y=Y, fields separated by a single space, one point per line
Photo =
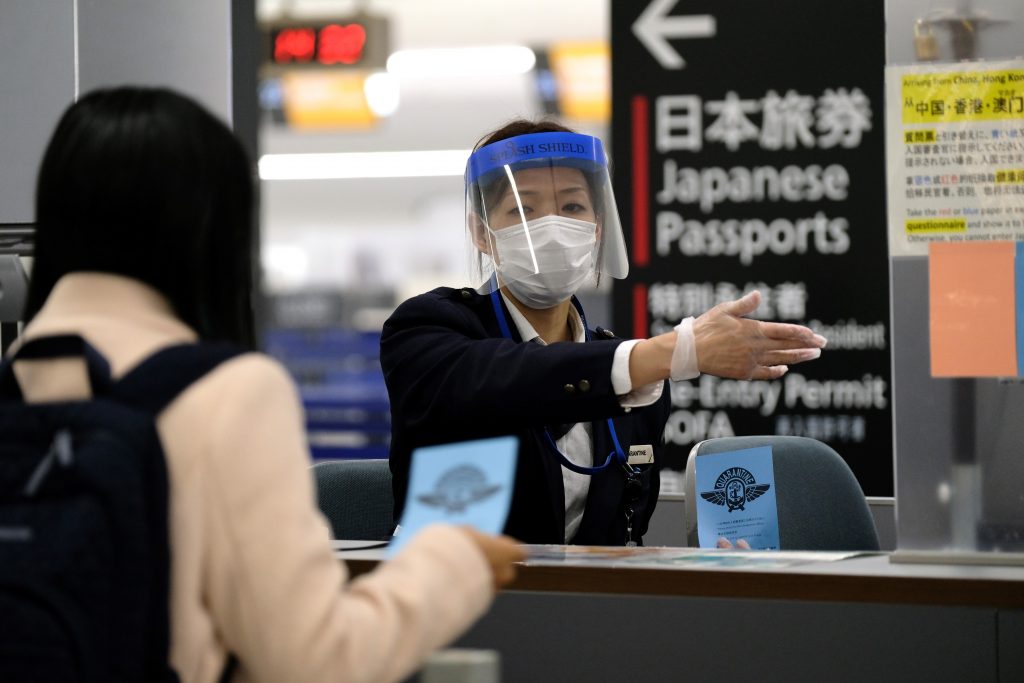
x=955 y=154
x=326 y=100
x=972 y=309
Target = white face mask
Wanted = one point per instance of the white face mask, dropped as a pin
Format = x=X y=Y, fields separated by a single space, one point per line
x=559 y=263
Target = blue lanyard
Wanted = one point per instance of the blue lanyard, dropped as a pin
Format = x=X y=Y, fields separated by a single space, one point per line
x=618 y=454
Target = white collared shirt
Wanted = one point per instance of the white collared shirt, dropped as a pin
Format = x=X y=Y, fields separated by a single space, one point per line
x=577 y=444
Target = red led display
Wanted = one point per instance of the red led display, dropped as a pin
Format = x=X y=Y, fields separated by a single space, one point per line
x=331 y=44
x=341 y=44
x=294 y=45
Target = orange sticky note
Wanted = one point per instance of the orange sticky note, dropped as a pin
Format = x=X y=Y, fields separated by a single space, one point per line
x=973 y=316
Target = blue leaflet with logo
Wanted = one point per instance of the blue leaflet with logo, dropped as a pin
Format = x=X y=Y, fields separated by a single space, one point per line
x=736 y=498
x=460 y=483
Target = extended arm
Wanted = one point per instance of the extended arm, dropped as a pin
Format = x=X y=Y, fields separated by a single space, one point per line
x=279 y=598
x=730 y=345
x=440 y=365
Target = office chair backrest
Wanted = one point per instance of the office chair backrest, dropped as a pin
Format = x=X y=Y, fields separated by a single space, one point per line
x=355 y=496
x=821 y=506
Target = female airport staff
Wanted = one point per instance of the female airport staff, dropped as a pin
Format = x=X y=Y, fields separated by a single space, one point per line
x=467 y=363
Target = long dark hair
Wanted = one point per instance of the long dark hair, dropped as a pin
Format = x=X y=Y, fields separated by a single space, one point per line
x=145 y=183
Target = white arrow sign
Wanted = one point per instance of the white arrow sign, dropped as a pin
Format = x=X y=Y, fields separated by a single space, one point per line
x=654 y=27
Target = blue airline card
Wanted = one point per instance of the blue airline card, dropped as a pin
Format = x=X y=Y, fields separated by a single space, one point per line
x=736 y=498
x=460 y=483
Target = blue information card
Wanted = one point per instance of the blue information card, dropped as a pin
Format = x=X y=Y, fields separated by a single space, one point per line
x=460 y=483
x=736 y=498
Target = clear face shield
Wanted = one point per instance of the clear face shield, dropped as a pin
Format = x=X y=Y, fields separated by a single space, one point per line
x=541 y=217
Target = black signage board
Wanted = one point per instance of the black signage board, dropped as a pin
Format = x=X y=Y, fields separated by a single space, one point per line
x=748 y=152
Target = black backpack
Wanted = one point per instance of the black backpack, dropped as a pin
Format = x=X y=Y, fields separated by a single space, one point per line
x=84 y=557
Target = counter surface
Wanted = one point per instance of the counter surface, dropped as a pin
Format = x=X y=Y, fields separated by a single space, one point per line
x=805 y=576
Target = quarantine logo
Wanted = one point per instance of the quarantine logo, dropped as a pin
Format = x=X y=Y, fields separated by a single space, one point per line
x=458 y=488
x=734 y=488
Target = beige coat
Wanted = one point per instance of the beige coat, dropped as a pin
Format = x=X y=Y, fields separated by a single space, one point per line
x=252 y=571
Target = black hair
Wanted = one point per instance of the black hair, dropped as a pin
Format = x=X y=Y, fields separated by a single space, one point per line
x=517 y=127
x=147 y=184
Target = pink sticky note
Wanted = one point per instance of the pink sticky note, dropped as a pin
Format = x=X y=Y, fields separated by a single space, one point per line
x=973 y=317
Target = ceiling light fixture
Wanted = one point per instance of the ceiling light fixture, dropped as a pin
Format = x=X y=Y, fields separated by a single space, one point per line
x=462 y=61
x=347 y=165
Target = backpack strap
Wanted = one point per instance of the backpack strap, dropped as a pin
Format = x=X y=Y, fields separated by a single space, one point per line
x=56 y=346
x=156 y=381
x=229 y=669
x=151 y=385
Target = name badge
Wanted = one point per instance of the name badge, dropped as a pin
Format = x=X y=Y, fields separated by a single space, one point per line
x=641 y=455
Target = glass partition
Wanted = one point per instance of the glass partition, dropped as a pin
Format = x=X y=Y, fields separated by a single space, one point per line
x=958 y=390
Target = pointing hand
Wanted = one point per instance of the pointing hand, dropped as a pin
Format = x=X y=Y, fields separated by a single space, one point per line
x=733 y=346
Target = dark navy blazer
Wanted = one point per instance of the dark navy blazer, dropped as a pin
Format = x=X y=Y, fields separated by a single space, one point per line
x=452 y=377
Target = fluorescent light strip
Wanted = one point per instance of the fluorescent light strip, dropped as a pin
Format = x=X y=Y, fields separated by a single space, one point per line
x=348 y=165
x=462 y=61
